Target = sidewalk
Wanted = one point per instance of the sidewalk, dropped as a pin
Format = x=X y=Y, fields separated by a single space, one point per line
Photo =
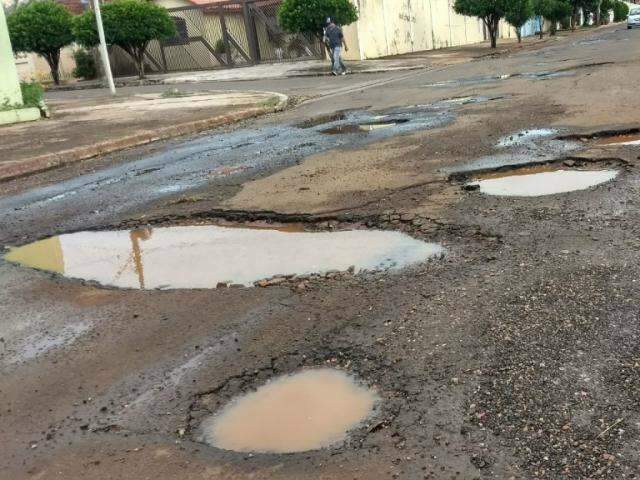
x=81 y=128
x=313 y=68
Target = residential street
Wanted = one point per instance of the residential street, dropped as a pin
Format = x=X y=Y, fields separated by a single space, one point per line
x=510 y=351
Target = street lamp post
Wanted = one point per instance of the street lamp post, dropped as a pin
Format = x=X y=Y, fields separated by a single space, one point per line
x=104 y=55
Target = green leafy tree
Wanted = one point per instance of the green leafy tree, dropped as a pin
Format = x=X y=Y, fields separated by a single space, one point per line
x=489 y=11
x=620 y=11
x=557 y=11
x=517 y=13
x=42 y=27
x=539 y=9
x=552 y=10
x=603 y=12
x=309 y=16
x=589 y=7
x=129 y=24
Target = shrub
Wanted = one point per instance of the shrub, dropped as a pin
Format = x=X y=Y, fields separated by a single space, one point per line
x=219 y=47
x=32 y=94
x=620 y=11
x=309 y=16
x=129 y=24
x=42 y=27
x=85 y=65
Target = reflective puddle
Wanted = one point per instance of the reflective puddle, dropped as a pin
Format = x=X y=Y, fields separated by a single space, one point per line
x=526 y=136
x=295 y=413
x=206 y=255
x=620 y=140
x=534 y=182
x=363 y=127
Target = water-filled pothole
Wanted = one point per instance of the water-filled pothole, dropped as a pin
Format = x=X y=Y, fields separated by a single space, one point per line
x=526 y=136
x=295 y=413
x=539 y=181
x=364 y=127
x=205 y=256
x=620 y=140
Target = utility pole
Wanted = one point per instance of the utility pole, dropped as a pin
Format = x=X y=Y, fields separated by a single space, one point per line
x=104 y=55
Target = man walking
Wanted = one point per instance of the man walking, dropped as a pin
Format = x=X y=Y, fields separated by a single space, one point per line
x=335 y=39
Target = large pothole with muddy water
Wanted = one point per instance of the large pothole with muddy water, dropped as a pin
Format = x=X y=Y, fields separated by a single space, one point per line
x=539 y=181
x=207 y=256
x=309 y=410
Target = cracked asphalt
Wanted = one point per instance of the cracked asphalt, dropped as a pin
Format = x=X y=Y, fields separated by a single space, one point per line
x=516 y=355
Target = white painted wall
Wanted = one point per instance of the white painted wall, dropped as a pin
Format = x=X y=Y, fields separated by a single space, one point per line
x=392 y=27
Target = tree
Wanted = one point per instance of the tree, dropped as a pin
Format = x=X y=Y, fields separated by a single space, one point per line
x=539 y=9
x=589 y=8
x=552 y=10
x=605 y=7
x=620 y=11
x=310 y=16
x=518 y=12
x=489 y=11
x=129 y=24
x=42 y=27
x=557 y=11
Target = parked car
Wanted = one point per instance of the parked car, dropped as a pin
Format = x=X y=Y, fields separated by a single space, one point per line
x=633 y=20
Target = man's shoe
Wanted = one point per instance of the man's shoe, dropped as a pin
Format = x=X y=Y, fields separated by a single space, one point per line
x=343 y=73
x=334 y=74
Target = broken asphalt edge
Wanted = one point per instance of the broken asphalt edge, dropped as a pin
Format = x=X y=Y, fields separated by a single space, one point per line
x=49 y=161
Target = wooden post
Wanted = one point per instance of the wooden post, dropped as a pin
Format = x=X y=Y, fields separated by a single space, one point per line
x=164 y=58
x=225 y=36
x=252 y=34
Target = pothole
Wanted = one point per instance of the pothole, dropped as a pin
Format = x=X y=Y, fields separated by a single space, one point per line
x=539 y=181
x=208 y=256
x=364 y=127
x=526 y=136
x=295 y=413
x=525 y=147
x=620 y=140
x=314 y=122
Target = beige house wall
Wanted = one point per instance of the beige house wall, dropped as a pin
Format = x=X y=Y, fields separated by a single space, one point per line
x=32 y=67
x=393 y=27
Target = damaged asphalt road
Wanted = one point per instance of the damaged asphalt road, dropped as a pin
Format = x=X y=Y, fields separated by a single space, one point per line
x=512 y=355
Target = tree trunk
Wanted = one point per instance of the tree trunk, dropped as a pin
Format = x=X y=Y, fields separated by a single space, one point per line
x=519 y=34
x=492 y=26
x=139 y=57
x=553 y=28
x=53 y=59
x=541 y=27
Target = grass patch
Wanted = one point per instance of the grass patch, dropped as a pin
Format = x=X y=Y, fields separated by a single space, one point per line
x=174 y=93
x=32 y=94
x=271 y=102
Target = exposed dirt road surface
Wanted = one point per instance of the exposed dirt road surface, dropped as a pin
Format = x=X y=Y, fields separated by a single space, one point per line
x=492 y=334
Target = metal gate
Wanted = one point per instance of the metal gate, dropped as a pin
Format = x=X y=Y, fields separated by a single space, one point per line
x=221 y=35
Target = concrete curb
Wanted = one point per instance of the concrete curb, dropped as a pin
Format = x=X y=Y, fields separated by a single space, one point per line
x=41 y=163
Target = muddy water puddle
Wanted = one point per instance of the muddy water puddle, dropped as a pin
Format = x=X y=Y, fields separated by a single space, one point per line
x=487 y=79
x=620 y=140
x=205 y=256
x=295 y=413
x=539 y=181
x=364 y=127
